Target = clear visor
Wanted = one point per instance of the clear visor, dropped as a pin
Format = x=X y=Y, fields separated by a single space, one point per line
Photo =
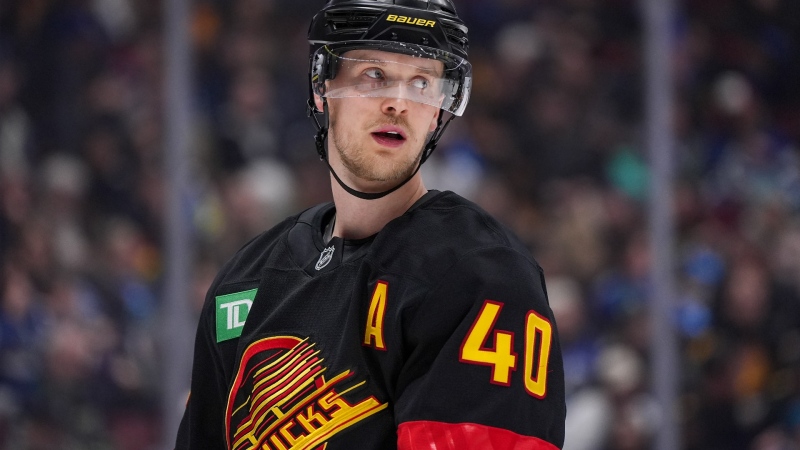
x=392 y=70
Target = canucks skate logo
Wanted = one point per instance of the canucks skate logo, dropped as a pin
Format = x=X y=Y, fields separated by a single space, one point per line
x=325 y=257
x=282 y=398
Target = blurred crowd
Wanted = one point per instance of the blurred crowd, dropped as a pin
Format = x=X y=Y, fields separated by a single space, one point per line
x=552 y=143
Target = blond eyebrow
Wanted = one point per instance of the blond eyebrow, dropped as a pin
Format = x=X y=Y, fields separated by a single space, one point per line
x=383 y=63
x=426 y=70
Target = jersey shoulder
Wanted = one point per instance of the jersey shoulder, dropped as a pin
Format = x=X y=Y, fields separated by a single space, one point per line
x=268 y=249
x=453 y=220
x=440 y=232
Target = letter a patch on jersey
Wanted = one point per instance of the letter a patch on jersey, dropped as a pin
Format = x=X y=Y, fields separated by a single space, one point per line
x=373 y=336
x=232 y=310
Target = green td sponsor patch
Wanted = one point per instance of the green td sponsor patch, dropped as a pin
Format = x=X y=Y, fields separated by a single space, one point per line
x=232 y=310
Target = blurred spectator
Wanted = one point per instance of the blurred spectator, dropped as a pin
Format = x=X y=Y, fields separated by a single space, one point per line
x=16 y=132
x=22 y=334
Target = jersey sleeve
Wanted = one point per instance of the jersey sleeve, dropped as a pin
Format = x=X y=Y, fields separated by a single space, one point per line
x=202 y=425
x=484 y=368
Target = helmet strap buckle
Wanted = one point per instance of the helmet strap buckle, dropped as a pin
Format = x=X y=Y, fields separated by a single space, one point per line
x=321 y=137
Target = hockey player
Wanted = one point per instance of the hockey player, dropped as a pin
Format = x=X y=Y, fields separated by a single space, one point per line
x=394 y=317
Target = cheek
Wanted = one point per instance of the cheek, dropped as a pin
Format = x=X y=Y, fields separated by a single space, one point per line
x=434 y=121
x=335 y=112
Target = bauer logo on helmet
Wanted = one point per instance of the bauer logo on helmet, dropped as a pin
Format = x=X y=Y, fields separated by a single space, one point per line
x=410 y=20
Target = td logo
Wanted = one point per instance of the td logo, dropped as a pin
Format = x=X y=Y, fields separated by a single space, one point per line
x=232 y=310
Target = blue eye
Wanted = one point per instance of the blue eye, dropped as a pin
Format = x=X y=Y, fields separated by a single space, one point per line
x=374 y=73
x=419 y=83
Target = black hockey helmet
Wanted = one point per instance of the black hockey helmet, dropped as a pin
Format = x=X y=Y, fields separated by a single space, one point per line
x=428 y=29
x=365 y=20
x=425 y=29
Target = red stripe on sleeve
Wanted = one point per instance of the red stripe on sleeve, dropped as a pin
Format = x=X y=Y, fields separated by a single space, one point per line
x=427 y=435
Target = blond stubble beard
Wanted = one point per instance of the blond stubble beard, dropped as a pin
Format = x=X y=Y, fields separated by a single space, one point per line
x=369 y=166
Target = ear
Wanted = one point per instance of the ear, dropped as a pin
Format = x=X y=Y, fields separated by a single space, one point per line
x=435 y=120
x=318 y=102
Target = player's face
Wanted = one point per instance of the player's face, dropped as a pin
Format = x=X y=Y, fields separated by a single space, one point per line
x=380 y=139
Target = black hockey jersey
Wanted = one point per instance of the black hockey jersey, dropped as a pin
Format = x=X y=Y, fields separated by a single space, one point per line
x=434 y=333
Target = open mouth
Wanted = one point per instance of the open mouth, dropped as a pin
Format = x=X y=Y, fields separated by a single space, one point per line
x=389 y=138
x=391 y=135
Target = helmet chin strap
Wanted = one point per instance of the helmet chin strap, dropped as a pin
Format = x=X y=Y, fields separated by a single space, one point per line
x=321 y=142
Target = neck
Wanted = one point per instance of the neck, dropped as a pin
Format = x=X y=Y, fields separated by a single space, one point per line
x=357 y=218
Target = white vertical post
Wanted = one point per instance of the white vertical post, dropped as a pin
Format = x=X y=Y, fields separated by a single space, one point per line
x=666 y=367
x=177 y=329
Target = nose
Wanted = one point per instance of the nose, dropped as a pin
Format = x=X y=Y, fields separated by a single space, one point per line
x=392 y=106
x=395 y=104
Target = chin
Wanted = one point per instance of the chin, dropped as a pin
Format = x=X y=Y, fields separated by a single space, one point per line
x=385 y=176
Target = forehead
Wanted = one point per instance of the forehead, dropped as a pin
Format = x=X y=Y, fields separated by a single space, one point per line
x=424 y=64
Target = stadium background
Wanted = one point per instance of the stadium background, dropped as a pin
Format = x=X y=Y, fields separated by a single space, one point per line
x=553 y=144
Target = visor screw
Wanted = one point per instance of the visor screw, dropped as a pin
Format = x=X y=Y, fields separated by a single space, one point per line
x=394 y=36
